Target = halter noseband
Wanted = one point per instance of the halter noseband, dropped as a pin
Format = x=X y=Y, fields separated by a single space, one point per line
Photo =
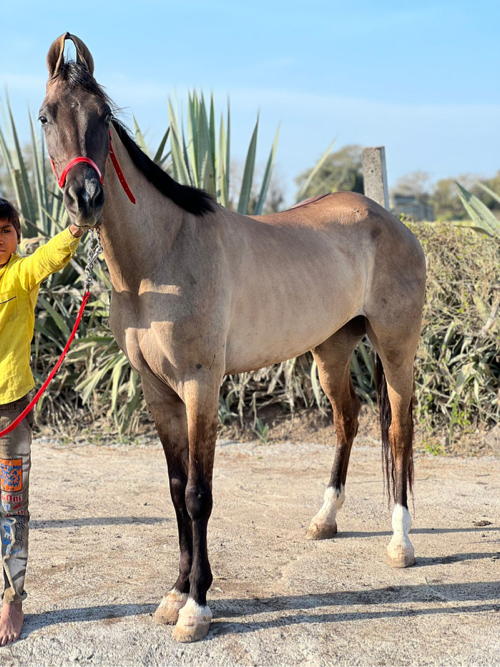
x=77 y=160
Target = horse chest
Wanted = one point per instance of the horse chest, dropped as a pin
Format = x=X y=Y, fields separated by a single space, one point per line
x=166 y=344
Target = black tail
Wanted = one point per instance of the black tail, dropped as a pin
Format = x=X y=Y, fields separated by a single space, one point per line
x=385 y=415
x=384 y=405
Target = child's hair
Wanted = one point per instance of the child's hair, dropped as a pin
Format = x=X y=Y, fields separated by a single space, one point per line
x=9 y=213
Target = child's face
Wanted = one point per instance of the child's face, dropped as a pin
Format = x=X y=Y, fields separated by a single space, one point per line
x=8 y=241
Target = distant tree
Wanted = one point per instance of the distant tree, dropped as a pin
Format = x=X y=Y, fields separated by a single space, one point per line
x=443 y=195
x=341 y=170
x=493 y=184
x=446 y=202
x=415 y=185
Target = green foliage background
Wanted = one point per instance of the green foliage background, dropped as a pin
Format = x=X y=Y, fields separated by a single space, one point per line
x=458 y=364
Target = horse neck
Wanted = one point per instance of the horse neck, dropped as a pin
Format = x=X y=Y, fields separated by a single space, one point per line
x=135 y=236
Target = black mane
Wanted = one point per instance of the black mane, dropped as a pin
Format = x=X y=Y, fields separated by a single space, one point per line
x=188 y=198
x=77 y=75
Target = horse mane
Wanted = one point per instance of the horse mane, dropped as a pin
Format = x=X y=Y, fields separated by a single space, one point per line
x=186 y=197
x=77 y=75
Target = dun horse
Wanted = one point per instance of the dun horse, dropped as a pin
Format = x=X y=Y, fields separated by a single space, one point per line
x=200 y=291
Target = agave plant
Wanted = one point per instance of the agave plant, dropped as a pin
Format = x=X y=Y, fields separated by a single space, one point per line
x=96 y=368
x=482 y=219
x=201 y=159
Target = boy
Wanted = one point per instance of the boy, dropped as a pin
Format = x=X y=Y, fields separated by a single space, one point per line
x=20 y=280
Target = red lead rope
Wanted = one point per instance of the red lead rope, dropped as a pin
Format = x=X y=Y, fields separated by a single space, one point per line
x=119 y=172
x=35 y=400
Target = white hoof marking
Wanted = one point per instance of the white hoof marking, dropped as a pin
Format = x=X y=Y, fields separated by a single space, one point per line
x=332 y=503
x=193 y=614
x=173 y=597
x=400 y=545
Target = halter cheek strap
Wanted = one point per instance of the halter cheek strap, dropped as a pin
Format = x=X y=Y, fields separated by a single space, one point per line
x=77 y=160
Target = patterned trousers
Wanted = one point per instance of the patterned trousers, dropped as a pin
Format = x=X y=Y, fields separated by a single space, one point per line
x=15 y=463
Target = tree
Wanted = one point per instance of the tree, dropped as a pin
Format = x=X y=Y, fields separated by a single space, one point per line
x=494 y=185
x=415 y=185
x=446 y=202
x=341 y=170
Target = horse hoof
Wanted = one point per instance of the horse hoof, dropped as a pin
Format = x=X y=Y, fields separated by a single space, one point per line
x=168 y=609
x=193 y=623
x=401 y=557
x=321 y=531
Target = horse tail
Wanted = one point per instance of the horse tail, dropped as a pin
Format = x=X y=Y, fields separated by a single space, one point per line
x=385 y=414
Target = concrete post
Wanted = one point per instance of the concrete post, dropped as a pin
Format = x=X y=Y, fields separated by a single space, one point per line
x=375 y=175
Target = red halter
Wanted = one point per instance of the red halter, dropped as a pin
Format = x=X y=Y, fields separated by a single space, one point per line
x=77 y=160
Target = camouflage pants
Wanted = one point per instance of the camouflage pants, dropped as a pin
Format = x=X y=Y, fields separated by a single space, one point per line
x=15 y=463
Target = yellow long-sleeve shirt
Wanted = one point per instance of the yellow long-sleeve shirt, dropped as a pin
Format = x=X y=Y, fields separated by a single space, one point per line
x=20 y=282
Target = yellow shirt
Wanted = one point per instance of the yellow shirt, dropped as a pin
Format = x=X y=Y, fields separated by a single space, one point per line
x=20 y=281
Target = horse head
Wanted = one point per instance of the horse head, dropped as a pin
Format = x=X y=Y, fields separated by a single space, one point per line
x=76 y=115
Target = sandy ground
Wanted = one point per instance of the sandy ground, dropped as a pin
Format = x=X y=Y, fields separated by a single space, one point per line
x=103 y=550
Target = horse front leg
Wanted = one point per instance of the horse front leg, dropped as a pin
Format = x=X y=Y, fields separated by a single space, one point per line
x=169 y=413
x=202 y=410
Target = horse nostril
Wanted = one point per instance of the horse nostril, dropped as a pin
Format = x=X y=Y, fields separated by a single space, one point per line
x=72 y=197
x=85 y=200
x=94 y=195
x=99 y=197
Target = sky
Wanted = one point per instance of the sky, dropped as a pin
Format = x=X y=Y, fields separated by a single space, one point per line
x=420 y=78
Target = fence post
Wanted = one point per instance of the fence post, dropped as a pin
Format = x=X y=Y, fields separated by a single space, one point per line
x=375 y=175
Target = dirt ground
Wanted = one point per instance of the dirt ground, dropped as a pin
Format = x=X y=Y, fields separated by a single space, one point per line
x=103 y=549
x=309 y=425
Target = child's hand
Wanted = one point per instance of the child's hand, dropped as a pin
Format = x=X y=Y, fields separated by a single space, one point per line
x=76 y=231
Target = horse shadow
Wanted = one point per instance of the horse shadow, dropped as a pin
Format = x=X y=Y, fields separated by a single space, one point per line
x=95 y=521
x=229 y=613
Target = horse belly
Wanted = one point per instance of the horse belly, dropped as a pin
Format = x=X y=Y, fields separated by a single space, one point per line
x=279 y=328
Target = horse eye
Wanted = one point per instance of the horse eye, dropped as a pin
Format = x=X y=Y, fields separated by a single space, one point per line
x=43 y=120
x=108 y=118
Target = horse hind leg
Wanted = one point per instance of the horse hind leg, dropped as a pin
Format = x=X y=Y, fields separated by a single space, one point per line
x=169 y=413
x=333 y=358
x=396 y=350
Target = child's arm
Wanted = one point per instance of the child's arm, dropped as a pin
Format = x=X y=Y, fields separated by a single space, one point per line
x=49 y=258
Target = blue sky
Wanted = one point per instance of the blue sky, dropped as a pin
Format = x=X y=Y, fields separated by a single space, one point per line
x=419 y=78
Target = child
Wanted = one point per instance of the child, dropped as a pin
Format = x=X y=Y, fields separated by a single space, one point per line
x=20 y=280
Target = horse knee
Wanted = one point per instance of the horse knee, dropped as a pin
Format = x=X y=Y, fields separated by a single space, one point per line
x=199 y=501
x=178 y=490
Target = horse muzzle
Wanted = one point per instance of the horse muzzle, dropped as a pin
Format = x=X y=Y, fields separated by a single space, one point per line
x=84 y=202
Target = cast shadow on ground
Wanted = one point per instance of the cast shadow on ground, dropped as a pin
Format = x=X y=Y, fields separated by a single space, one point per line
x=95 y=521
x=106 y=613
x=417 y=531
x=310 y=608
x=423 y=561
x=219 y=628
x=446 y=594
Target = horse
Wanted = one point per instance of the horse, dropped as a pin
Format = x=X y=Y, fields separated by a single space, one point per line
x=200 y=291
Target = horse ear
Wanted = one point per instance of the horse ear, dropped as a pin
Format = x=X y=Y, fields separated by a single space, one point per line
x=55 y=55
x=83 y=55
